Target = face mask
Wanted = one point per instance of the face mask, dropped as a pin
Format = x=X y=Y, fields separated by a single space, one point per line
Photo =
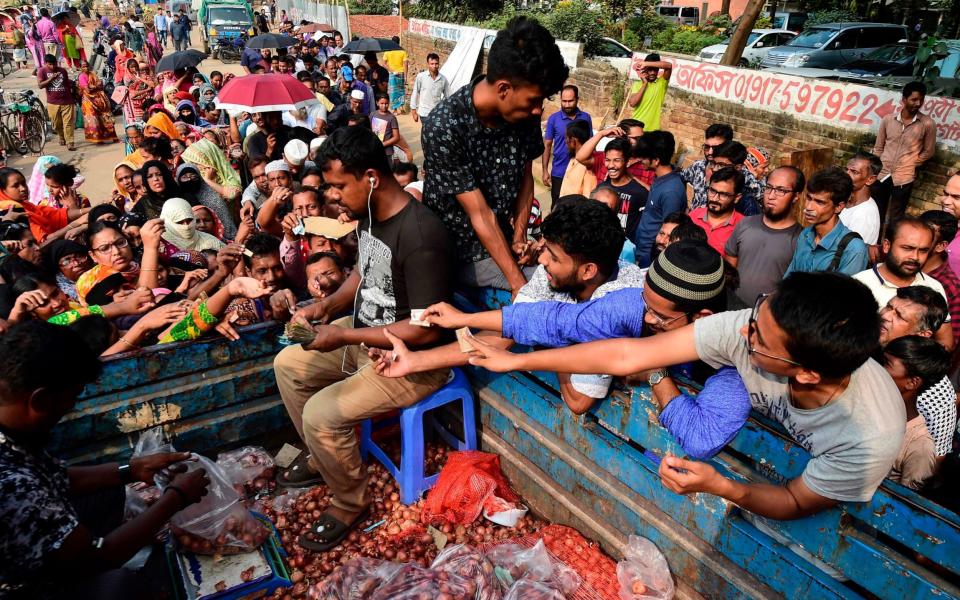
x=191 y=185
x=184 y=230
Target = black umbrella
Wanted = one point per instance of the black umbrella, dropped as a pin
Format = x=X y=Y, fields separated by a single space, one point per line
x=180 y=60
x=370 y=45
x=272 y=40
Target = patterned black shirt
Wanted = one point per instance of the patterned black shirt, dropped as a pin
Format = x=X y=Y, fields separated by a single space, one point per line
x=461 y=154
x=35 y=516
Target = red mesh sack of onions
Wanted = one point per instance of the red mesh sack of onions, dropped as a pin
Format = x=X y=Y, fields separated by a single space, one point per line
x=355 y=580
x=463 y=561
x=526 y=589
x=411 y=582
x=250 y=467
x=532 y=564
x=465 y=482
x=219 y=523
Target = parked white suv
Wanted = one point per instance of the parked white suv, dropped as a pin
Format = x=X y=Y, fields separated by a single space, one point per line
x=758 y=44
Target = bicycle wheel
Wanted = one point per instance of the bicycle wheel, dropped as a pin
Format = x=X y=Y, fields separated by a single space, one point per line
x=35 y=133
x=12 y=142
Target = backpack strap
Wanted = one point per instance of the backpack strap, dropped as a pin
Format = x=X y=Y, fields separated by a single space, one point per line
x=841 y=247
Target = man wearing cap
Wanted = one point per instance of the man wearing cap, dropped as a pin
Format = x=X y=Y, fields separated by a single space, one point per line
x=273 y=136
x=295 y=155
x=346 y=74
x=647 y=94
x=683 y=285
x=282 y=187
x=804 y=353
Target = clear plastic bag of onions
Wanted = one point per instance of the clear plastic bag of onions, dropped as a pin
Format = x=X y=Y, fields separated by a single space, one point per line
x=250 y=469
x=219 y=523
x=466 y=562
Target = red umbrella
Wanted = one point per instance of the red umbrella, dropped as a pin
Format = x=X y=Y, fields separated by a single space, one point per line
x=264 y=93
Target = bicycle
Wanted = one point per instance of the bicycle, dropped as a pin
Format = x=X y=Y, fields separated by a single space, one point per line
x=6 y=61
x=22 y=128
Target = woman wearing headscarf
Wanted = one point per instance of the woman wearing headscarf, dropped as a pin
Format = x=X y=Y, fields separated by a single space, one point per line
x=69 y=260
x=160 y=187
x=104 y=212
x=208 y=222
x=158 y=125
x=187 y=113
x=137 y=89
x=198 y=191
x=99 y=284
x=120 y=62
x=39 y=194
x=170 y=98
x=72 y=44
x=154 y=50
x=180 y=227
x=125 y=193
x=208 y=97
x=15 y=205
x=109 y=248
x=98 y=127
x=60 y=181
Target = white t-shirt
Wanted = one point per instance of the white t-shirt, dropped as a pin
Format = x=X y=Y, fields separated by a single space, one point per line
x=853 y=440
x=864 y=219
x=538 y=289
x=883 y=290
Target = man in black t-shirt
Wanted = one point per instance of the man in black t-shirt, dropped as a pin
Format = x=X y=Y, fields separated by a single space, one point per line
x=632 y=193
x=327 y=385
x=269 y=142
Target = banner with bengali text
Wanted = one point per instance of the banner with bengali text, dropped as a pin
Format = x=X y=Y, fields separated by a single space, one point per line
x=846 y=105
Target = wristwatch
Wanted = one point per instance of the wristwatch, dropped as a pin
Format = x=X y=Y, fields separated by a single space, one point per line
x=657 y=376
x=126 y=475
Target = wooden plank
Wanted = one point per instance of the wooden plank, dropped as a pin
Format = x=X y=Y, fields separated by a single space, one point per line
x=709 y=516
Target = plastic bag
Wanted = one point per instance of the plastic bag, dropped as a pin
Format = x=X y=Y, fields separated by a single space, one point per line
x=466 y=481
x=643 y=573
x=515 y=562
x=356 y=579
x=526 y=589
x=140 y=495
x=250 y=469
x=219 y=523
x=464 y=561
x=411 y=582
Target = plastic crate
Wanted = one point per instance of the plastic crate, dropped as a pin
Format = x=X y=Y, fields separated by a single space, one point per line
x=272 y=551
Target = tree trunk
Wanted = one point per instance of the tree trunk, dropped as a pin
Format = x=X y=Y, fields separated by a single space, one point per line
x=724 y=8
x=773 y=12
x=738 y=41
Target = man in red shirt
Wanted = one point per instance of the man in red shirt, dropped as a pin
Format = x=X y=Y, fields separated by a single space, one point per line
x=718 y=217
x=60 y=99
x=592 y=158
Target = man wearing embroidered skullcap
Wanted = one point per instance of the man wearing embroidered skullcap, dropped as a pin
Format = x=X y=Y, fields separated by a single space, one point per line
x=685 y=283
x=804 y=354
x=295 y=155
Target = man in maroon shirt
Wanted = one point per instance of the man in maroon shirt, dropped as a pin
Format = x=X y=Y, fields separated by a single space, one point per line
x=936 y=265
x=60 y=99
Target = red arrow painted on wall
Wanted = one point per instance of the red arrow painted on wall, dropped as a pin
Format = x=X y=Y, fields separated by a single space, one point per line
x=885 y=109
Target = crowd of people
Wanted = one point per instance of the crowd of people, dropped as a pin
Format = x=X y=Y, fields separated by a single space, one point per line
x=841 y=327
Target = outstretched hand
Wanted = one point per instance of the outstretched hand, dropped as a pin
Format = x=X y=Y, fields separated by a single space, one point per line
x=396 y=362
x=491 y=357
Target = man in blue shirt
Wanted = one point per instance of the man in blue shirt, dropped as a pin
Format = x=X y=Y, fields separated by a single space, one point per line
x=668 y=194
x=684 y=284
x=554 y=139
x=826 y=244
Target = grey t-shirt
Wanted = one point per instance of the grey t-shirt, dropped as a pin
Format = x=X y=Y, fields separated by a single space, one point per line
x=853 y=440
x=763 y=255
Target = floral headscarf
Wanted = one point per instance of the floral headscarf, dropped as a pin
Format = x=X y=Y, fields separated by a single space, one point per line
x=96 y=280
x=205 y=153
x=39 y=192
x=127 y=200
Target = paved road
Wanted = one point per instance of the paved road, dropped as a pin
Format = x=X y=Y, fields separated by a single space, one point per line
x=96 y=163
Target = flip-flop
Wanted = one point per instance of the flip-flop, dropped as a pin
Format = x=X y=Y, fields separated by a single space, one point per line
x=299 y=474
x=328 y=531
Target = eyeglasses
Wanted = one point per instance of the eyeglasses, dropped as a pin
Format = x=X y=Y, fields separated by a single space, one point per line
x=75 y=259
x=120 y=244
x=707 y=148
x=777 y=191
x=662 y=321
x=716 y=166
x=752 y=330
x=712 y=191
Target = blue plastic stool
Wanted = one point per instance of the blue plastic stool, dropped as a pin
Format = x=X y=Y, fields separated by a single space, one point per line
x=410 y=475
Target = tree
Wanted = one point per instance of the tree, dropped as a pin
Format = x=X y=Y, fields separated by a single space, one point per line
x=738 y=41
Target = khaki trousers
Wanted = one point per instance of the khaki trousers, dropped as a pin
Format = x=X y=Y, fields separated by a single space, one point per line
x=325 y=404
x=63 y=117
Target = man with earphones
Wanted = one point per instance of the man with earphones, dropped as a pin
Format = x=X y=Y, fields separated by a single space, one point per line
x=329 y=386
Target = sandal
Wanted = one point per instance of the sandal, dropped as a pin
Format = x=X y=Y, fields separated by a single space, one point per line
x=299 y=474
x=327 y=532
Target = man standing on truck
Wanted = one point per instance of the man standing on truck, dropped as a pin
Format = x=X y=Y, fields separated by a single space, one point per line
x=647 y=94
